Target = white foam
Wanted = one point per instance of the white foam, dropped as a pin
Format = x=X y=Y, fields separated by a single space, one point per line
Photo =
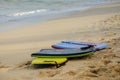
x=28 y=12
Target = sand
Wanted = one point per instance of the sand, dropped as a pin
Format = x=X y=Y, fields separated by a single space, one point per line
x=99 y=24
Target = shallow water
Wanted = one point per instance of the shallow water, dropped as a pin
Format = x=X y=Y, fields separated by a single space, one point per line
x=13 y=13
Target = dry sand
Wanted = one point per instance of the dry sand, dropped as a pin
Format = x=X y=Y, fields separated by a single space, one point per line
x=99 y=24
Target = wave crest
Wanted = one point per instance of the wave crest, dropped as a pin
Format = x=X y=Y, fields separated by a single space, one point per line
x=28 y=12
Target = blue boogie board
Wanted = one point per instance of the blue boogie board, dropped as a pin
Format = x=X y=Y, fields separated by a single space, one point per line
x=75 y=44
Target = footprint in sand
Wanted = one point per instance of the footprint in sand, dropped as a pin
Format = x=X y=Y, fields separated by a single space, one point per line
x=4 y=68
x=69 y=74
x=48 y=73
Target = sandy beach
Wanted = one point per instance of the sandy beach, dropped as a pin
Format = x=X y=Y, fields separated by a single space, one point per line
x=99 y=24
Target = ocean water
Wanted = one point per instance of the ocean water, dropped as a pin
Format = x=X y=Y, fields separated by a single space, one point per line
x=17 y=13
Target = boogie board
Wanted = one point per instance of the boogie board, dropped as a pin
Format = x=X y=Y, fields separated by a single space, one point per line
x=63 y=53
x=53 y=61
x=75 y=44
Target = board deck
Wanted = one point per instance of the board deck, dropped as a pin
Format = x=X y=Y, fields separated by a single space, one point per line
x=64 y=53
x=75 y=44
x=53 y=61
x=66 y=56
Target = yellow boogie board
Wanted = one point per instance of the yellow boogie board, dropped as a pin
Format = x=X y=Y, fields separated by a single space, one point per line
x=53 y=61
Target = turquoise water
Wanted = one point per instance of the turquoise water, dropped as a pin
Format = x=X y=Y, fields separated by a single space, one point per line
x=33 y=11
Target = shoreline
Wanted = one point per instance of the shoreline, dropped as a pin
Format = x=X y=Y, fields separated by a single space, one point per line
x=18 y=24
x=96 y=25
